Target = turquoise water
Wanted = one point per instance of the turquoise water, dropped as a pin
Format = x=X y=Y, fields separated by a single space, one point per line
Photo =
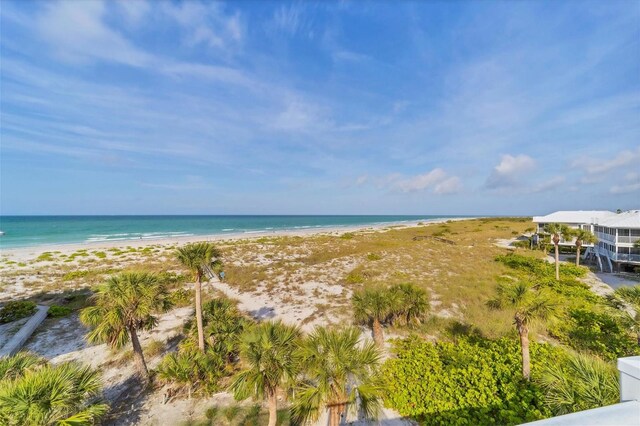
x=25 y=231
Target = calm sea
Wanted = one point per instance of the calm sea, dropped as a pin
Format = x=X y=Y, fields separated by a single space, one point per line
x=24 y=231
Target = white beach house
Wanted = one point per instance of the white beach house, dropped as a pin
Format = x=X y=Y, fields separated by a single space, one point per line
x=617 y=233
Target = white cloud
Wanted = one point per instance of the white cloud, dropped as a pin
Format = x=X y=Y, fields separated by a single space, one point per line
x=508 y=172
x=625 y=189
x=421 y=182
x=206 y=24
x=77 y=33
x=594 y=166
x=549 y=184
x=451 y=185
x=632 y=184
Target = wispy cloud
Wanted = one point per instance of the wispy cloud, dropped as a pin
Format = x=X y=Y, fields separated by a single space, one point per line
x=436 y=181
x=510 y=170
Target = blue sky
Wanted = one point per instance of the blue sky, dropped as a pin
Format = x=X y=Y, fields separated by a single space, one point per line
x=442 y=107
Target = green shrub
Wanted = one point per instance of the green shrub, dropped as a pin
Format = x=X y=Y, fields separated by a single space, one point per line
x=56 y=311
x=180 y=298
x=522 y=244
x=347 y=236
x=469 y=382
x=354 y=277
x=606 y=333
x=100 y=254
x=582 y=383
x=45 y=257
x=373 y=256
x=12 y=311
x=73 y=275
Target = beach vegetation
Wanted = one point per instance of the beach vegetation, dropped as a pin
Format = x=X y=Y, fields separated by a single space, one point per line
x=469 y=381
x=34 y=392
x=629 y=297
x=198 y=257
x=15 y=310
x=339 y=375
x=46 y=256
x=526 y=304
x=373 y=257
x=373 y=307
x=125 y=305
x=190 y=370
x=270 y=363
x=57 y=311
x=581 y=383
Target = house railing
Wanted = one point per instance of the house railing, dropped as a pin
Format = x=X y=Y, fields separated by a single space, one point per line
x=626 y=239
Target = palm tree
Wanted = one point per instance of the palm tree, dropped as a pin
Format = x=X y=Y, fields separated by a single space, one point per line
x=269 y=355
x=373 y=307
x=631 y=295
x=411 y=304
x=527 y=305
x=123 y=306
x=583 y=236
x=584 y=382
x=557 y=230
x=338 y=373
x=42 y=394
x=198 y=257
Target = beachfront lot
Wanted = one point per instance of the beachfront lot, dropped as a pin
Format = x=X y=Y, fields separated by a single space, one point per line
x=305 y=280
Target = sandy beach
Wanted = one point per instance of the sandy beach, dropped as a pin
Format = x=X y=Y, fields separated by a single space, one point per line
x=23 y=254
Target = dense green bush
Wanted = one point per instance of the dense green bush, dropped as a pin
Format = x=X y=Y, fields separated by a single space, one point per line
x=540 y=268
x=56 y=311
x=466 y=383
x=606 y=333
x=13 y=311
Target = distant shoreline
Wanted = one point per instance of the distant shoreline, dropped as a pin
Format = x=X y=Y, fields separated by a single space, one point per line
x=27 y=253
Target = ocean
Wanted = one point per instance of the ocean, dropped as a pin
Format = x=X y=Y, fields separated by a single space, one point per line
x=26 y=231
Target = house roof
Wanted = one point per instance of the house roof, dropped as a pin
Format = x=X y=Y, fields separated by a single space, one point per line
x=575 y=216
x=628 y=219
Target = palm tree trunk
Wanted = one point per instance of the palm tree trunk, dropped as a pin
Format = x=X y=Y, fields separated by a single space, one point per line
x=378 y=335
x=334 y=415
x=557 y=262
x=523 y=331
x=273 y=409
x=199 y=312
x=578 y=254
x=141 y=365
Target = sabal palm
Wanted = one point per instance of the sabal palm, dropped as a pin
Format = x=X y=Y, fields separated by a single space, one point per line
x=527 y=305
x=583 y=236
x=41 y=394
x=270 y=361
x=124 y=305
x=373 y=307
x=631 y=295
x=583 y=383
x=557 y=230
x=338 y=372
x=412 y=304
x=198 y=257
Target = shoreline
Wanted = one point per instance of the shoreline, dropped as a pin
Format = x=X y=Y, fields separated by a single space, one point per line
x=27 y=253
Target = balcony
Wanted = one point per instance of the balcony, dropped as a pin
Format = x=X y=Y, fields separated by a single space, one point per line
x=627 y=239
